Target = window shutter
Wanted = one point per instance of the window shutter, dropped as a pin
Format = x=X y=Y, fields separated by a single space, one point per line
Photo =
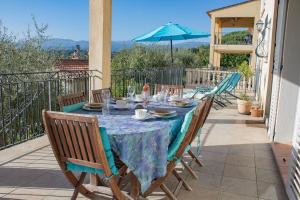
x=293 y=186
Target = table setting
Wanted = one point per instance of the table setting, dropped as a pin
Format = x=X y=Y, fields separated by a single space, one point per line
x=140 y=128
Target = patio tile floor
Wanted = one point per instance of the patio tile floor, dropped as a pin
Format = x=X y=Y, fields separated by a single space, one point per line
x=237 y=157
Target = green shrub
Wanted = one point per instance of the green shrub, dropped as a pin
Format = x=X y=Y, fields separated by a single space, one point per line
x=247 y=73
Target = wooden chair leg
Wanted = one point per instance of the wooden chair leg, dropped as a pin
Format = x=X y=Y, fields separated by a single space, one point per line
x=135 y=187
x=180 y=179
x=117 y=193
x=122 y=173
x=78 y=184
x=189 y=169
x=195 y=158
x=166 y=190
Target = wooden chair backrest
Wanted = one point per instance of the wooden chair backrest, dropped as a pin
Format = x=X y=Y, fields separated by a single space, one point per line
x=197 y=116
x=172 y=89
x=70 y=99
x=97 y=94
x=207 y=103
x=76 y=139
x=209 y=106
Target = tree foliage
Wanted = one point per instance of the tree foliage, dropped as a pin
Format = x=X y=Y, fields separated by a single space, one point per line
x=26 y=54
x=235 y=37
x=234 y=60
x=247 y=73
x=158 y=56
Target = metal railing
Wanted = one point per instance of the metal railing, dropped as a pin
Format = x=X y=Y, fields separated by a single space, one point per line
x=23 y=96
x=207 y=77
x=121 y=79
x=233 y=39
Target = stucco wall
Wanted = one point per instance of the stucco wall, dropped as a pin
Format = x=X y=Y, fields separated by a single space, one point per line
x=290 y=80
x=264 y=65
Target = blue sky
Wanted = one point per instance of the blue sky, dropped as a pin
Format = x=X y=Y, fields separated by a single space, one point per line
x=69 y=18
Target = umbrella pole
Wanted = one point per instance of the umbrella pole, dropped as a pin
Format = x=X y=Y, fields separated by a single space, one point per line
x=172 y=52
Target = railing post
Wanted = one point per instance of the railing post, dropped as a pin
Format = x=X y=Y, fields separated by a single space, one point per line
x=49 y=95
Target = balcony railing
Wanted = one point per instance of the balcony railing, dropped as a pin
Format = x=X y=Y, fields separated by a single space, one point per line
x=23 y=96
x=137 y=77
x=207 y=77
x=233 y=38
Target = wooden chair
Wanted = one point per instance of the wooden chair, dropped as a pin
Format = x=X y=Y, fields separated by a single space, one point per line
x=70 y=99
x=172 y=89
x=208 y=104
x=97 y=94
x=80 y=146
x=197 y=116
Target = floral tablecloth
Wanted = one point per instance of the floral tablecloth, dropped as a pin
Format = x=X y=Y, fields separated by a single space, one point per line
x=141 y=145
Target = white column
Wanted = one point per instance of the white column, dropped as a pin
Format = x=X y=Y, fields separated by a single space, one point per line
x=100 y=41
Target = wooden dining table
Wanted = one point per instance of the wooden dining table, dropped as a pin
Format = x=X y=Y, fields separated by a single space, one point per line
x=141 y=144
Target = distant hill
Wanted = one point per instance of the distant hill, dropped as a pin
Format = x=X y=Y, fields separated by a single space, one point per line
x=67 y=44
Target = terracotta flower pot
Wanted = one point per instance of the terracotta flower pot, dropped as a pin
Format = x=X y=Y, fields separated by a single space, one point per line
x=244 y=107
x=256 y=112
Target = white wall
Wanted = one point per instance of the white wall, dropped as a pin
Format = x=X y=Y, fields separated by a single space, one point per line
x=290 y=76
x=264 y=65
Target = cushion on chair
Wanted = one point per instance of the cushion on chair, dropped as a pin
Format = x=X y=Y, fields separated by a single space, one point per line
x=73 y=107
x=173 y=147
x=109 y=157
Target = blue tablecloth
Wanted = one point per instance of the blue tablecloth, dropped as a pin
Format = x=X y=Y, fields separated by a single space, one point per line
x=141 y=145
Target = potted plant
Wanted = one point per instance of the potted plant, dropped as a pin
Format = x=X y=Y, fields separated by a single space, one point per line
x=244 y=104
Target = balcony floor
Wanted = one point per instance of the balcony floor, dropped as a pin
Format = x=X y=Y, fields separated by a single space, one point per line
x=238 y=161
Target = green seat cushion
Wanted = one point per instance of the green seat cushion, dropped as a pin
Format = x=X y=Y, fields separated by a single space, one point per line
x=173 y=147
x=73 y=107
x=109 y=157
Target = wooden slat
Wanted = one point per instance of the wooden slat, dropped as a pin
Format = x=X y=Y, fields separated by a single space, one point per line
x=62 y=138
x=85 y=163
x=55 y=136
x=94 y=142
x=74 y=139
x=80 y=141
x=87 y=142
x=68 y=138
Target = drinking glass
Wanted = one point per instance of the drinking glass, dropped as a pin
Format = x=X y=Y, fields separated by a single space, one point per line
x=131 y=91
x=165 y=93
x=105 y=94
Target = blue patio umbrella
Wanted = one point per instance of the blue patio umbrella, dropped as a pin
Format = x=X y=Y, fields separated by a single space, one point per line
x=170 y=32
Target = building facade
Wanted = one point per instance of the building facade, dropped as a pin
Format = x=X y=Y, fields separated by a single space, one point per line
x=279 y=83
x=238 y=16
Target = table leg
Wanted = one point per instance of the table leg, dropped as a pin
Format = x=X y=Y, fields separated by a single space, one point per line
x=135 y=186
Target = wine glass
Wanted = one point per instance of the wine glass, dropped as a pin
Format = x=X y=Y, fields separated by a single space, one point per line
x=131 y=92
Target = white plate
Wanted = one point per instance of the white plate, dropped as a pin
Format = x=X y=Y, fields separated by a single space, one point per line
x=171 y=112
x=120 y=107
x=142 y=119
x=184 y=106
x=165 y=116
